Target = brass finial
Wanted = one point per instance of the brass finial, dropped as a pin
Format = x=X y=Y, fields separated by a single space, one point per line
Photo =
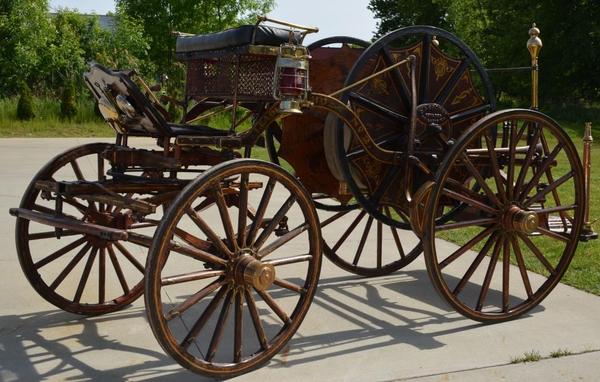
x=534 y=44
x=587 y=132
x=435 y=41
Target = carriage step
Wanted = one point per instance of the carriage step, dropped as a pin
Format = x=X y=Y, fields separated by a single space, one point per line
x=74 y=225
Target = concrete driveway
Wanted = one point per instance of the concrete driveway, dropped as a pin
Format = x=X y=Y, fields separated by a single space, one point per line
x=389 y=328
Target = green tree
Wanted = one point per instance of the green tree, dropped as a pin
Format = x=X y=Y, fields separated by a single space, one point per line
x=126 y=47
x=161 y=17
x=497 y=31
x=25 y=104
x=68 y=105
x=393 y=14
x=25 y=33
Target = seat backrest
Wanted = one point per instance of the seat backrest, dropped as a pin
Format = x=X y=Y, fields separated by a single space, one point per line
x=111 y=88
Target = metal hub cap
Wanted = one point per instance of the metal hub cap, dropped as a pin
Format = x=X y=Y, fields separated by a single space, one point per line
x=520 y=220
x=252 y=271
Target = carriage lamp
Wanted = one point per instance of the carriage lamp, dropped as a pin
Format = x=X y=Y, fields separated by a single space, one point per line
x=291 y=78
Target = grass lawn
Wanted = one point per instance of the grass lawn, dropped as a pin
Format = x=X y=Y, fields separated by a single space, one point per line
x=583 y=273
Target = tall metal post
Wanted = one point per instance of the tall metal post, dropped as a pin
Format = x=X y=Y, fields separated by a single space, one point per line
x=534 y=45
x=587 y=233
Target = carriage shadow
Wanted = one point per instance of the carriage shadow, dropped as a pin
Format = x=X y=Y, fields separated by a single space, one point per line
x=375 y=318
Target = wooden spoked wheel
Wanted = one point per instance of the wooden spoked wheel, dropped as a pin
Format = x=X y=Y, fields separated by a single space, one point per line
x=233 y=268
x=79 y=273
x=527 y=214
x=365 y=246
x=453 y=91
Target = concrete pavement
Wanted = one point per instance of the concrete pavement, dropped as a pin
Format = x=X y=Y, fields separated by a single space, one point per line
x=388 y=328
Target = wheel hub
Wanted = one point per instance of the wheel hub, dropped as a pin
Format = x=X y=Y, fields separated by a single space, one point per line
x=249 y=270
x=521 y=220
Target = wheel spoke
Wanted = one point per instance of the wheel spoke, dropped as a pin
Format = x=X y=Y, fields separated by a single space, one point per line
x=274 y=306
x=425 y=62
x=537 y=253
x=243 y=211
x=379 y=243
x=289 y=260
x=464 y=115
x=115 y=262
x=505 y=276
x=192 y=240
x=475 y=264
x=495 y=167
x=469 y=201
x=442 y=97
x=290 y=286
x=387 y=181
x=102 y=276
x=528 y=159
x=258 y=328
x=193 y=299
x=521 y=264
x=471 y=168
x=210 y=234
x=239 y=328
x=282 y=240
x=218 y=333
x=554 y=235
x=199 y=324
x=511 y=162
x=397 y=78
x=377 y=108
x=551 y=187
x=488 y=275
x=192 y=276
x=395 y=235
x=469 y=223
x=84 y=276
x=60 y=278
x=130 y=257
x=76 y=169
x=264 y=235
x=541 y=171
x=363 y=240
x=334 y=218
x=470 y=244
x=262 y=209
x=348 y=231
x=225 y=218
x=64 y=250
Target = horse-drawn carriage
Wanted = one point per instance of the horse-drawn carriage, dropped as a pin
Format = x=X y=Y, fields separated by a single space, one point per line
x=397 y=140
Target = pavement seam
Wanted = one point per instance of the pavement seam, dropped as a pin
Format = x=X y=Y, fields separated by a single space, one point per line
x=487 y=367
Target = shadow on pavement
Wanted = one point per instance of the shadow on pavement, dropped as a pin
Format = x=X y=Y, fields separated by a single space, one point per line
x=376 y=317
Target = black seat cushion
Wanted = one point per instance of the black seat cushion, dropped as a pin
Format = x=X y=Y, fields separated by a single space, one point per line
x=235 y=37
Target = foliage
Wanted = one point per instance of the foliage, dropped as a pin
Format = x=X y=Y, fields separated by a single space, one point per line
x=25 y=34
x=393 y=14
x=25 y=105
x=160 y=18
x=497 y=31
x=52 y=51
x=68 y=107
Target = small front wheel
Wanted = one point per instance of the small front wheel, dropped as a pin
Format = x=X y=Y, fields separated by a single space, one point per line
x=233 y=268
x=516 y=184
